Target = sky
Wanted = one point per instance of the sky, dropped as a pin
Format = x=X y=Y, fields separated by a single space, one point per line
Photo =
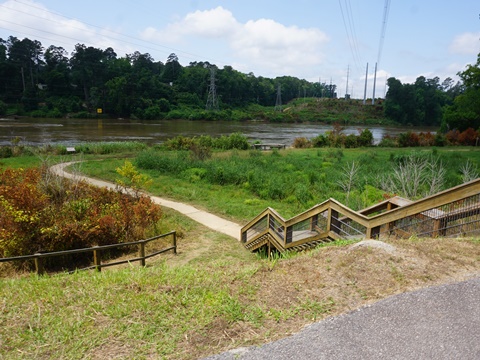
x=316 y=40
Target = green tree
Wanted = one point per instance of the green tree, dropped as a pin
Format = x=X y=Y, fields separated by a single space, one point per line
x=57 y=73
x=465 y=110
x=88 y=69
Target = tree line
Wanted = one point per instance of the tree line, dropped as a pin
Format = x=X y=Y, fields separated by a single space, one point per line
x=452 y=106
x=50 y=82
x=53 y=82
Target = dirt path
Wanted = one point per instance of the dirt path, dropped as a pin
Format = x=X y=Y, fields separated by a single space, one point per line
x=209 y=220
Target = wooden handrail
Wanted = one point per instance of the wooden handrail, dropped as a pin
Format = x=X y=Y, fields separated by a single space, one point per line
x=402 y=209
x=38 y=257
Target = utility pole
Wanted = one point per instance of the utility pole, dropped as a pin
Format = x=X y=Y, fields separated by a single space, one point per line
x=346 y=89
x=365 y=92
x=278 y=102
x=374 y=83
x=212 y=101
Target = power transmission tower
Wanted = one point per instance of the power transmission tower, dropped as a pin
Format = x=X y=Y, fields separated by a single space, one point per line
x=278 y=103
x=212 y=101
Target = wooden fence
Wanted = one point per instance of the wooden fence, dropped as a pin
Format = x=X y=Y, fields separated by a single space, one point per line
x=450 y=213
x=97 y=254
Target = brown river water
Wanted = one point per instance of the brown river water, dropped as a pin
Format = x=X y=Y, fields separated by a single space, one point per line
x=73 y=131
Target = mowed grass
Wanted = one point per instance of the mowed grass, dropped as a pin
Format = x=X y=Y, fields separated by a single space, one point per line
x=214 y=295
x=211 y=297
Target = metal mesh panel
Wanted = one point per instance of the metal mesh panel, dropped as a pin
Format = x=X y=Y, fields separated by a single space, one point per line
x=455 y=219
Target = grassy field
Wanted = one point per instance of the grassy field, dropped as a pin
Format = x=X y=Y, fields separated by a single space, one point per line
x=241 y=184
x=214 y=295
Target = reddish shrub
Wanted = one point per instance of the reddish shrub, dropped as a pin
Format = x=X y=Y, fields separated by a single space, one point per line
x=61 y=215
x=468 y=137
x=452 y=137
x=426 y=139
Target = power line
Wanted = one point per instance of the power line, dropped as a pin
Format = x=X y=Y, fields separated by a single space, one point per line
x=350 y=36
x=386 y=10
x=103 y=30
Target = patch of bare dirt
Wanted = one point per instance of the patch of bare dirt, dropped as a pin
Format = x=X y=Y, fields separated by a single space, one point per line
x=329 y=281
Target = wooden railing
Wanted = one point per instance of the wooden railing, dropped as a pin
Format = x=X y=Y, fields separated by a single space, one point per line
x=97 y=252
x=453 y=212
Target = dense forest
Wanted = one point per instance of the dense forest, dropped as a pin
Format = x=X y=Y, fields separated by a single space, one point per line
x=131 y=86
x=51 y=82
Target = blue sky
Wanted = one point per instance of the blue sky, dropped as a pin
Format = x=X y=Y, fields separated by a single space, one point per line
x=308 y=39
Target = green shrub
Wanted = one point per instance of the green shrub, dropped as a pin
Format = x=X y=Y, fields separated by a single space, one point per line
x=5 y=152
x=365 y=138
x=320 y=141
x=351 y=141
x=388 y=141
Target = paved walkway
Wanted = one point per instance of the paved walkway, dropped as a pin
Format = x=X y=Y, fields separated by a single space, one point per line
x=212 y=221
x=441 y=322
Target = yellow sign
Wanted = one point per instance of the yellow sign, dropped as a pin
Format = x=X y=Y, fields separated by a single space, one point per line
x=99 y=110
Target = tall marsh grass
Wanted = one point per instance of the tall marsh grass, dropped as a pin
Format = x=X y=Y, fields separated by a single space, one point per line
x=301 y=178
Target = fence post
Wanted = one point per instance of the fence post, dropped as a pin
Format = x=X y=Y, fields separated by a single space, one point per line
x=175 y=242
x=97 y=260
x=40 y=270
x=141 y=254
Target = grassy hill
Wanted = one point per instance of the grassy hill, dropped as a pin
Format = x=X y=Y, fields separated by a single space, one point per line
x=345 y=112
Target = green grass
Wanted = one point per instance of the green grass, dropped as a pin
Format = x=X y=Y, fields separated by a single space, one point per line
x=215 y=295
x=240 y=184
x=73 y=315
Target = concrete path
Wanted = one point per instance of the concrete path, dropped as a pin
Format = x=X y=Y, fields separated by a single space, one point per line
x=211 y=221
x=441 y=322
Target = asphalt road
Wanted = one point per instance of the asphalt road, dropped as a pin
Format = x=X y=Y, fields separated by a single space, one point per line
x=441 y=322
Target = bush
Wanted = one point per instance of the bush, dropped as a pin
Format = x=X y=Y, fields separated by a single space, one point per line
x=440 y=140
x=320 y=141
x=365 y=138
x=301 y=143
x=41 y=212
x=200 y=152
x=408 y=139
x=351 y=141
x=5 y=152
x=468 y=137
x=387 y=141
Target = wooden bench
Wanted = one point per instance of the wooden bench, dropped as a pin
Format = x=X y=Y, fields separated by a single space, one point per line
x=268 y=146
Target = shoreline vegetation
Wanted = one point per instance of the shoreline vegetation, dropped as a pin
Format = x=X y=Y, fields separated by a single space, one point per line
x=214 y=295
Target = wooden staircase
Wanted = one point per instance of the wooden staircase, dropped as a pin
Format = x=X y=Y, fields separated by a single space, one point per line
x=451 y=213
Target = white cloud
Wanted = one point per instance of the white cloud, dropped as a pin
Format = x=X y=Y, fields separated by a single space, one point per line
x=35 y=21
x=211 y=24
x=466 y=44
x=266 y=45
x=274 y=45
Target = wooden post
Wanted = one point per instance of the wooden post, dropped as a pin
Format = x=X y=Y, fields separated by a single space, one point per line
x=141 y=254
x=175 y=242
x=39 y=264
x=334 y=222
x=97 y=259
x=373 y=233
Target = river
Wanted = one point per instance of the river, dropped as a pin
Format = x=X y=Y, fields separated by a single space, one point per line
x=67 y=132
